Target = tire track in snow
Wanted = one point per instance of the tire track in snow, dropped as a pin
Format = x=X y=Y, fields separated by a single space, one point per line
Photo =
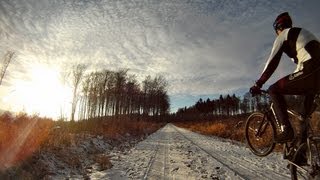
x=153 y=170
x=176 y=153
x=224 y=164
x=158 y=163
x=151 y=161
x=166 y=152
x=236 y=164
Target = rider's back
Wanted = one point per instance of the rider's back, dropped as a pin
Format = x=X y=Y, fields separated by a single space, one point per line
x=299 y=44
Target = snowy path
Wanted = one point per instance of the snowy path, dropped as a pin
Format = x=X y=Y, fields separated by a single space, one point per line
x=176 y=153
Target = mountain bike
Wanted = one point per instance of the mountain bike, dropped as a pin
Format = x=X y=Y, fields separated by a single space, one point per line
x=260 y=130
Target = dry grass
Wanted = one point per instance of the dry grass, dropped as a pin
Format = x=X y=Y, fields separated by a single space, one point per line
x=23 y=138
x=111 y=128
x=20 y=136
x=231 y=128
x=103 y=161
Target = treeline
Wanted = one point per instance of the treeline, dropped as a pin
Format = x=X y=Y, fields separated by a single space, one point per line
x=113 y=93
x=230 y=105
x=225 y=105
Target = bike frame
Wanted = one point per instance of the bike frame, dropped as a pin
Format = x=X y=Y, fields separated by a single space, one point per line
x=309 y=142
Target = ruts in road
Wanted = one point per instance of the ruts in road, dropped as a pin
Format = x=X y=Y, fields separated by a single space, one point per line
x=177 y=153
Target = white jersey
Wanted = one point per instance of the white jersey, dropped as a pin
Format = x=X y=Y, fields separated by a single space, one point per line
x=295 y=42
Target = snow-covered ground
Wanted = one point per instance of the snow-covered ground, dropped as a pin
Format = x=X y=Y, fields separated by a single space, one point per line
x=176 y=153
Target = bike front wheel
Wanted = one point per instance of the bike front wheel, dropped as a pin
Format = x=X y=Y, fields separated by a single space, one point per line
x=259 y=133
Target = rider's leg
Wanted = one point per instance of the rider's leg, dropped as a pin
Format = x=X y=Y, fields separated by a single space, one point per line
x=284 y=129
x=306 y=113
x=299 y=83
x=307 y=108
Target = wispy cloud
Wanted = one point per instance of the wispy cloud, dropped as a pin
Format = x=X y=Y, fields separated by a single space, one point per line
x=202 y=47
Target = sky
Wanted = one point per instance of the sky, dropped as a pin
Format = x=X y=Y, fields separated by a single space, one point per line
x=203 y=48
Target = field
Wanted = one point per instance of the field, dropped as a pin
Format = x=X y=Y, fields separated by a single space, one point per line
x=233 y=127
x=34 y=147
x=230 y=128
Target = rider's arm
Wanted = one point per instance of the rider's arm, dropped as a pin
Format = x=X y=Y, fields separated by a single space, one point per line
x=273 y=60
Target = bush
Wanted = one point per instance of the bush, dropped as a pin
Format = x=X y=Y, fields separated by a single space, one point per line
x=231 y=128
x=23 y=139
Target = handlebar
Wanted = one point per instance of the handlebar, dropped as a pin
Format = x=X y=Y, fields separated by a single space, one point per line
x=264 y=91
x=259 y=92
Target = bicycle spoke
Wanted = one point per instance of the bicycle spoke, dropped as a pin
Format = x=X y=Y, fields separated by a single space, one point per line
x=252 y=129
x=259 y=134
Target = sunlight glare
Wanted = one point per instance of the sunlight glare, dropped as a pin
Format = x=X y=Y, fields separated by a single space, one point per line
x=43 y=94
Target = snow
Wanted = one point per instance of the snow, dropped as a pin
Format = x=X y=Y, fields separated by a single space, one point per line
x=176 y=153
x=169 y=153
x=75 y=160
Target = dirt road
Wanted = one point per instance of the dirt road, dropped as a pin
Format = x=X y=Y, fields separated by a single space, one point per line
x=176 y=153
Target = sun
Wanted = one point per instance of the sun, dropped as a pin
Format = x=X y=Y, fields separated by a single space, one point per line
x=43 y=93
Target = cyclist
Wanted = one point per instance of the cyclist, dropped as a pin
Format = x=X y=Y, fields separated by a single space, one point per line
x=304 y=50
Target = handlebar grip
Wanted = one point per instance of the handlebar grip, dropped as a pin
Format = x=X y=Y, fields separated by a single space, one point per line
x=264 y=91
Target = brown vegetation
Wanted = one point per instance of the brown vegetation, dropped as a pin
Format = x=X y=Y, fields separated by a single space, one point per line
x=20 y=136
x=230 y=128
x=233 y=127
x=25 y=140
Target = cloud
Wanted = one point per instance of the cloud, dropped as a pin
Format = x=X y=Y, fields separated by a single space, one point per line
x=202 y=47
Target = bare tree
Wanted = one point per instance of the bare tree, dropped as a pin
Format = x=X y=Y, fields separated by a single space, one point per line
x=114 y=93
x=77 y=73
x=154 y=91
x=108 y=89
x=121 y=78
x=146 y=90
x=6 y=61
x=84 y=98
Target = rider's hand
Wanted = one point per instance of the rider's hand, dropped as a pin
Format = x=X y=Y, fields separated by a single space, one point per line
x=255 y=90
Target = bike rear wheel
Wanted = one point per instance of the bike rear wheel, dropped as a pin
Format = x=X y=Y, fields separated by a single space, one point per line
x=309 y=169
x=259 y=133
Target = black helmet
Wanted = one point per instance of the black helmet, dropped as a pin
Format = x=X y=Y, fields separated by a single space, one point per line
x=283 y=21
